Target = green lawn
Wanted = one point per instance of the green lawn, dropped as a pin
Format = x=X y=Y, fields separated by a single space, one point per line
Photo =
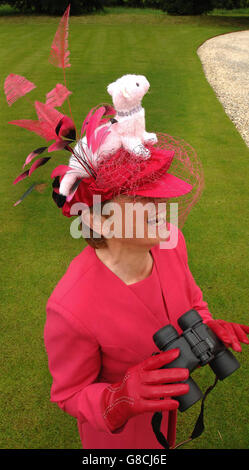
x=36 y=245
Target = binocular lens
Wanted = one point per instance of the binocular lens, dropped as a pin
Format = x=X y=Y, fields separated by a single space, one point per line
x=163 y=337
x=190 y=398
x=224 y=364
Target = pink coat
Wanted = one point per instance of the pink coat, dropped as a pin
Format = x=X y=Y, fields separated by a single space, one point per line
x=96 y=328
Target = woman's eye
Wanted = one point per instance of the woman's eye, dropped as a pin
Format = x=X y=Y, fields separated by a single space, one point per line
x=137 y=84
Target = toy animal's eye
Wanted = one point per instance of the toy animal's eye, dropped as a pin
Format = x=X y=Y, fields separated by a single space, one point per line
x=137 y=84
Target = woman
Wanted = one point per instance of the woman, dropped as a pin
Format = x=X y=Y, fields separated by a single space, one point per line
x=103 y=313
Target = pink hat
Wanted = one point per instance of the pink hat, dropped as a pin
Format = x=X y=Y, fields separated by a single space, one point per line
x=173 y=172
x=168 y=186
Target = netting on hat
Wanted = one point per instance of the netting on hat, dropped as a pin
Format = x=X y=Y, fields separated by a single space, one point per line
x=187 y=166
x=125 y=172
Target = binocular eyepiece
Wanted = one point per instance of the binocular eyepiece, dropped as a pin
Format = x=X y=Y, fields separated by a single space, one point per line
x=198 y=346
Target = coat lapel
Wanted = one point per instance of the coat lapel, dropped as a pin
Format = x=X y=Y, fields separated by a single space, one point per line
x=174 y=283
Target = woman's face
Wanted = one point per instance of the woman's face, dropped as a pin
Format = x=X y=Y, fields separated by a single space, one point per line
x=135 y=220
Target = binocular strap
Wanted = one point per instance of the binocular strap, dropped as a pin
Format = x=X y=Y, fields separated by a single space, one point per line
x=198 y=429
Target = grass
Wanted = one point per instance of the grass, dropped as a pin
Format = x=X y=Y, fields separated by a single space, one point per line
x=36 y=245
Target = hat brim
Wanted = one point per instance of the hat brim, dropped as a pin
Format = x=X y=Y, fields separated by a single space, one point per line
x=167 y=187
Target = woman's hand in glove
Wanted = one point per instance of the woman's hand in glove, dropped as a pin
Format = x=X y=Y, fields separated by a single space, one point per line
x=232 y=334
x=142 y=387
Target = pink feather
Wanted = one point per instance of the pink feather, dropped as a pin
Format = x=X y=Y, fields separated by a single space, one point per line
x=48 y=114
x=21 y=176
x=93 y=123
x=60 y=170
x=73 y=189
x=48 y=121
x=40 y=128
x=86 y=120
x=100 y=137
x=109 y=111
x=38 y=163
x=33 y=155
x=16 y=86
x=59 y=144
x=59 y=54
x=71 y=195
x=57 y=96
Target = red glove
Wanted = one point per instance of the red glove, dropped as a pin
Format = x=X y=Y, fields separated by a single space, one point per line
x=230 y=333
x=142 y=387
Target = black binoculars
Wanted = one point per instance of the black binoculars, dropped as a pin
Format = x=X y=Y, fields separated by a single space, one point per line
x=198 y=346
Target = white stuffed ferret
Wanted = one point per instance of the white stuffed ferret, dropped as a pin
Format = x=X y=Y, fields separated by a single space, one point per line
x=127 y=131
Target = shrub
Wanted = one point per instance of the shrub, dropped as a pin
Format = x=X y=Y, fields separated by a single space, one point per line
x=187 y=7
x=56 y=7
x=230 y=4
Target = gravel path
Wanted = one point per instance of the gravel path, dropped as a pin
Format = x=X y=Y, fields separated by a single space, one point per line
x=225 y=61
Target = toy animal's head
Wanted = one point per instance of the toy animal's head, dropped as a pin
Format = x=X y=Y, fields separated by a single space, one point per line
x=128 y=91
